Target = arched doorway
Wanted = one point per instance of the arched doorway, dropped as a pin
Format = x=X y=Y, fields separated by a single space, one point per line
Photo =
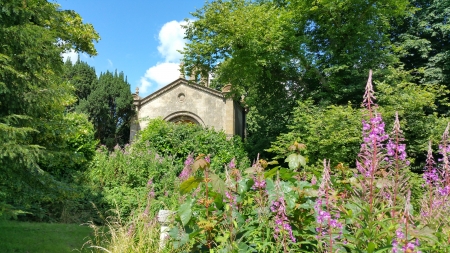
x=185 y=117
x=184 y=120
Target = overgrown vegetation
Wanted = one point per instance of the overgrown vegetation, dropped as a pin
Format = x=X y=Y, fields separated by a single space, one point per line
x=151 y=165
x=300 y=66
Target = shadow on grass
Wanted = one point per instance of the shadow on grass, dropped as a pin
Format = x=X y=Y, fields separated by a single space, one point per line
x=27 y=237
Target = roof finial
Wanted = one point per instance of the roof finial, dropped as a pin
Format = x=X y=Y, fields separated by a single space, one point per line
x=182 y=70
x=137 y=91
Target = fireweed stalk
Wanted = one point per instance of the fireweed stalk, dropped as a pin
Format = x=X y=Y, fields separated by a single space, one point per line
x=371 y=155
x=281 y=222
x=186 y=172
x=259 y=186
x=206 y=201
x=327 y=224
x=432 y=181
x=232 y=175
x=396 y=157
x=444 y=150
x=402 y=242
x=436 y=207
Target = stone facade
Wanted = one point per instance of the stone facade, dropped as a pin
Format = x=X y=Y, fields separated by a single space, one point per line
x=183 y=102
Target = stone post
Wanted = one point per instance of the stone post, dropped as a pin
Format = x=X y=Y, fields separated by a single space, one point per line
x=164 y=218
x=229 y=112
x=134 y=124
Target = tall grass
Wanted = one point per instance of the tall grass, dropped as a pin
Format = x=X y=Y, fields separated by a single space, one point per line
x=138 y=233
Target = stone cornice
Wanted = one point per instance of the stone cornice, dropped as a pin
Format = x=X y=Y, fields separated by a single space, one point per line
x=176 y=83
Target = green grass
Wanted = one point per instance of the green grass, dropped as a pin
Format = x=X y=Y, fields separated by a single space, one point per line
x=26 y=237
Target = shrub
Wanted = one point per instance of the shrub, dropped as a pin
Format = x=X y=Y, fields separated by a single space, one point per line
x=181 y=140
x=124 y=177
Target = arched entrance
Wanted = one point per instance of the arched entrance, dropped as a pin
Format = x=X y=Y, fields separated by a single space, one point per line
x=184 y=120
x=185 y=117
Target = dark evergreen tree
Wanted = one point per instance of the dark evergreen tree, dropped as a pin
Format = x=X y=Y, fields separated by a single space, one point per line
x=82 y=77
x=423 y=42
x=109 y=107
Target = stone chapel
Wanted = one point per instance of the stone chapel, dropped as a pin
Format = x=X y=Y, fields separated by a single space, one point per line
x=184 y=101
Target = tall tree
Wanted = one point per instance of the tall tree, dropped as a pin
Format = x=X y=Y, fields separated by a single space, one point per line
x=422 y=40
x=276 y=52
x=33 y=35
x=82 y=77
x=109 y=107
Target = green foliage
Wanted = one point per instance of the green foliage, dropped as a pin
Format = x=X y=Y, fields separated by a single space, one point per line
x=77 y=145
x=33 y=99
x=181 y=140
x=82 y=77
x=124 y=178
x=421 y=41
x=332 y=132
x=110 y=108
x=278 y=52
x=241 y=218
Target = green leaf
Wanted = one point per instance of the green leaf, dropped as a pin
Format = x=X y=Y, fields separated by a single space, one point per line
x=201 y=164
x=286 y=174
x=190 y=184
x=218 y=199
x=295 y=161
x=271 y=173
x=371 y=247
x=185 y=211
x=217 y=184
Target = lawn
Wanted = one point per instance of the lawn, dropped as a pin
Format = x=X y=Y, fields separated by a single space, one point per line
x=26 y=237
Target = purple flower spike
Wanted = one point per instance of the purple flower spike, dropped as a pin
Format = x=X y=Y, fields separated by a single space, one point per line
x=281 y=221
x=187 y=168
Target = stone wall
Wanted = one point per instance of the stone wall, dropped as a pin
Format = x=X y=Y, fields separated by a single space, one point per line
x=184 y=102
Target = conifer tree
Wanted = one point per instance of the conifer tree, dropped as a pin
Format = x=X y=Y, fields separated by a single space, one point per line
x=109 y=107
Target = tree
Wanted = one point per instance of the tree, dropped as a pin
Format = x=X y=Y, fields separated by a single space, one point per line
x=110 y=108
x=33 y=35
x=276 y=52
x=422 y=42
x=82 y=77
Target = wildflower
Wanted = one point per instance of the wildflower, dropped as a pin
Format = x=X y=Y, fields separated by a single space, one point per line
x=327 y=222
x=444 y=191
x=259 y=184
x=314 y=180
x=151 y=193
x=232 y=164
x=281 y=221
x=146 y=212
x=186 y=172
x=130 y=230
x=231 y=199
x=401 y=233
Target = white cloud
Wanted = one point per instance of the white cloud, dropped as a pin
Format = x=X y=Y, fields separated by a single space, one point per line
x=72 y=55
x=171 y=39
x=161 y=74
x=145 y=85
x=110 y=63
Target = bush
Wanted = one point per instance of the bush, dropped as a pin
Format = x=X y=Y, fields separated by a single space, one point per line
x=182 y=140
x=125 y=177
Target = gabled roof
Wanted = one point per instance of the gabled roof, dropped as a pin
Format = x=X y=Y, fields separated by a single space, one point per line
x=176 y=83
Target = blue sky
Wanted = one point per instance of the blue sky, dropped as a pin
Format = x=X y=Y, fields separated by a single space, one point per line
x=138 y=37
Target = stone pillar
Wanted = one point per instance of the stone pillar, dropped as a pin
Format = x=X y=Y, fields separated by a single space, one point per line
x=134 y=124
x=164 y=218
x=229 y=112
